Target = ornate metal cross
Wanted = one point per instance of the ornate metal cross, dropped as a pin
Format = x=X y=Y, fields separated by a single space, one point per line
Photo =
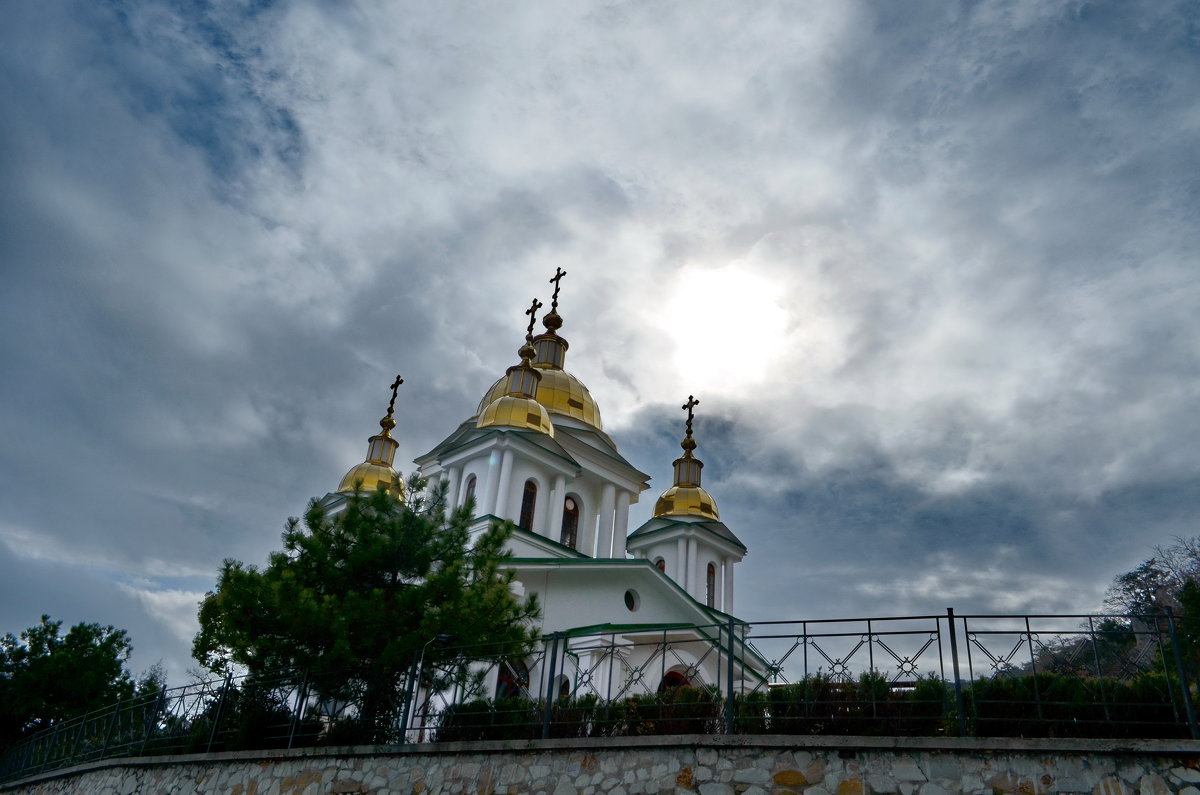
x=532 y=312
x=395 y=388
x=691 y=404
x=555 y=279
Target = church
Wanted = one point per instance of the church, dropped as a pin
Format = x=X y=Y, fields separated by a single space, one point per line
x=636 y=612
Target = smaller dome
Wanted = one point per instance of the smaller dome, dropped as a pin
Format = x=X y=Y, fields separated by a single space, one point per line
x=516 y=411
x=686 y=501
x=372 y=476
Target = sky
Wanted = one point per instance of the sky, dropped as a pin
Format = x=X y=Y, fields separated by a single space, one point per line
x=929 y=267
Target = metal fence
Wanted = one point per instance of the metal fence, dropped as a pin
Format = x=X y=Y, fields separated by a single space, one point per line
x=972 y=675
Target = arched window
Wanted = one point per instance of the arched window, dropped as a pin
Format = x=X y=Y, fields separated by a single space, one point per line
x=513 y=681
x=527 y=504
x=570 y=523
x=710 y=585
x=672 y=680
x=661 y=564
x=469 y=491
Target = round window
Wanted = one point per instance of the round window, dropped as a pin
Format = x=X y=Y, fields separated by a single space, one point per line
x=632 y=601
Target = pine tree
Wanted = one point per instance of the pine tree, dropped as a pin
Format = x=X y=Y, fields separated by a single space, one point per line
x=355 y=597
x=46 y=677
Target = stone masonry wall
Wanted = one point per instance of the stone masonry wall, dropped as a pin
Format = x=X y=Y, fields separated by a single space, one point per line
x=628 y=766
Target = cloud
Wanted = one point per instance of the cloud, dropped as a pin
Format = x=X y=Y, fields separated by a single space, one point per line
x=959 y=363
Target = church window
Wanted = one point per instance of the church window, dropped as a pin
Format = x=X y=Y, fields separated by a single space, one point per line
x=513 y=681
x=527 y=503
x=570 y=523
x=710 y=586
x=469 y=491
x=632 y=600
x=672 y=680
x=661 y=564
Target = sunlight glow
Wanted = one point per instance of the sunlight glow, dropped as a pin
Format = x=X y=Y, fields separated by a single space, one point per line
x=726 y=327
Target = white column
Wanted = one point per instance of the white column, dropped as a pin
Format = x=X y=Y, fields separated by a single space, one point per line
x=540 y=515
x=453 y=481
x=488 y=505
x=587 y=527
x=719 y=585
x=728 y=590
x=554 y=516
x=681 y=563
x=692 y=586
x=505 y=485
x=620 y=525
x=604 y=528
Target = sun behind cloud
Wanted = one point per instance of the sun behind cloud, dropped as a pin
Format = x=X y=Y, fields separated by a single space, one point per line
x=725 y=328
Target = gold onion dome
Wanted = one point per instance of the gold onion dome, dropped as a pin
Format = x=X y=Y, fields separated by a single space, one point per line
x=558 y=391
x=377 y=470
x=685 y=497
x=516 y=406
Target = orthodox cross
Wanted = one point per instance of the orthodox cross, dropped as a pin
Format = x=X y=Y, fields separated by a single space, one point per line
x=555 y=279
x=395 y=388
x=691 y=404
x=532 y=312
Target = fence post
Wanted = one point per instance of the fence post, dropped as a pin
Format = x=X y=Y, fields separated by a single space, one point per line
x=301 y=701
x=1183 y=682
x=958 y=696
x=112 y=725
x=729 y=711
x=550 y=686
x=152 y=719
x=1099 y=669
x=212 y=735
x=410 y=697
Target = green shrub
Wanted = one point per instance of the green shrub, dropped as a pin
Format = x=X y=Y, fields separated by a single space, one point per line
x=751 y=713
x=507 y=719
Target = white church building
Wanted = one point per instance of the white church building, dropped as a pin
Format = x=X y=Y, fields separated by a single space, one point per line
x=632 y=612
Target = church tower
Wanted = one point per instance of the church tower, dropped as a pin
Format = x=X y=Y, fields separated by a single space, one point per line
x=686 y=539
x=535 y=453
x=376 y=469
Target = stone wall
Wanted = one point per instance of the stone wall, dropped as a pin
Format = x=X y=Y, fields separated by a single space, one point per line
x=695 y=764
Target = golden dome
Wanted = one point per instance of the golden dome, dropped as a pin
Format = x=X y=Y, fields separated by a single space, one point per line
x=686 y=501
x=377 y=470
x=515 y=411
x=372 y=476
x=559 y=391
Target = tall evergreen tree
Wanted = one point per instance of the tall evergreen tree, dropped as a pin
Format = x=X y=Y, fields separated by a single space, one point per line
x=355 y=598
x=46 y=677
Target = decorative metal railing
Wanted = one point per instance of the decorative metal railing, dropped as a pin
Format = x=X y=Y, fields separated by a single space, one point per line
x=974 y=675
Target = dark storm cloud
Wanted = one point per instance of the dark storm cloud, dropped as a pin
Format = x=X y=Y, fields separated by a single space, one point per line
x=225 y=228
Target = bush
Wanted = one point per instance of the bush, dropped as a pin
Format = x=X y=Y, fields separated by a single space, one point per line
x=1060 y=705
x=507 y=719
x=751 y=713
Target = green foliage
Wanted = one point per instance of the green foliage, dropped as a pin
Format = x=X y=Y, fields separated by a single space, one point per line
x=677 y=710
x=46 y=677
x=576 y=717
x=1041 y=705
x=871 y=706
x=1060 y=705
x=482 y=719
x=751 y=713
x=355 y=597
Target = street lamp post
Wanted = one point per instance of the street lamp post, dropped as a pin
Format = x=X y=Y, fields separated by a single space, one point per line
x=418 y=669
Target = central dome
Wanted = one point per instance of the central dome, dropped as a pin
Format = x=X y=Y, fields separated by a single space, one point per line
x=559 y=392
